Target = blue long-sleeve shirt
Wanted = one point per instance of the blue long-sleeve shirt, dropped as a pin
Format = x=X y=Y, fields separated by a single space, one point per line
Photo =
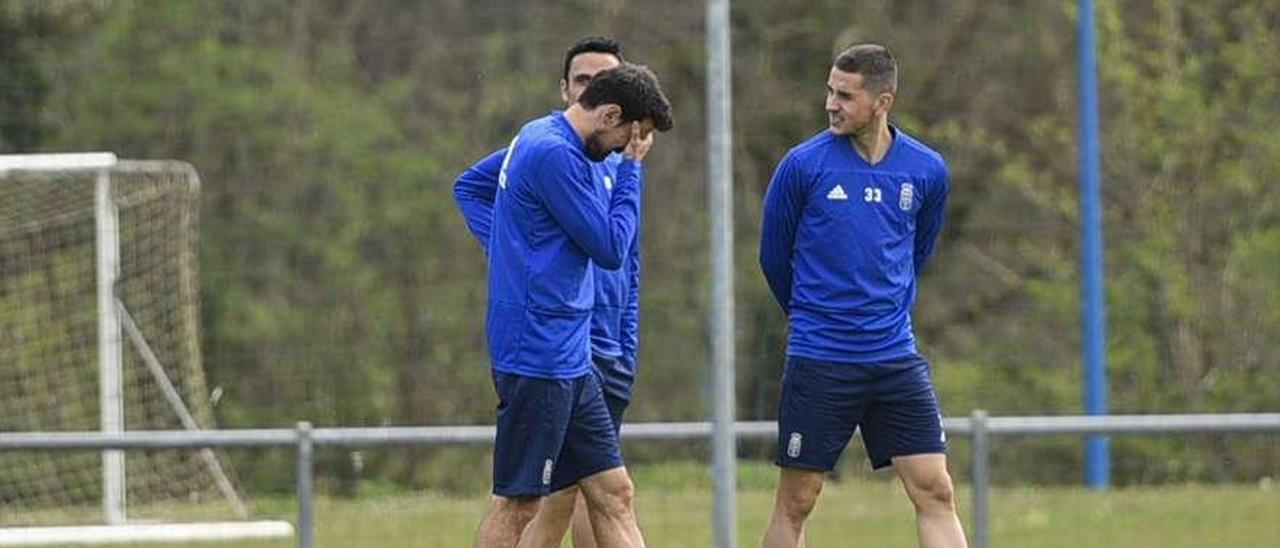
x=615 y=318
x=554 y=217
x=842 y=242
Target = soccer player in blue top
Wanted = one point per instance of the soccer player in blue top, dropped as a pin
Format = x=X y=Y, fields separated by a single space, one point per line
x=551 y=222
x=615 y=315
x=850 y=218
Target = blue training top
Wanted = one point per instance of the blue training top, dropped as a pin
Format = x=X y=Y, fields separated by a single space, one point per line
x=550 y=223
x=843 y=240
x=615 y=318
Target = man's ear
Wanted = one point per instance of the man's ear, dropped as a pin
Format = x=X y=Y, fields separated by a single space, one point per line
x=611 y=114
x=564 y=90
x=883 y=102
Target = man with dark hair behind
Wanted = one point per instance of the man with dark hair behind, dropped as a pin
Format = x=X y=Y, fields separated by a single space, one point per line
x=615 y=315
x=850 y=218
x=551 y=222
x=583 y=60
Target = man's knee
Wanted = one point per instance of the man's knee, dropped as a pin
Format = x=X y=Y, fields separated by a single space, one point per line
x=798 y=494
x=933 y=492
x=520 y=508
x=796 y=505
x=610 y=492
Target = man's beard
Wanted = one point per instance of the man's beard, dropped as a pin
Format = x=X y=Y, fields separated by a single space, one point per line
x=596 y=150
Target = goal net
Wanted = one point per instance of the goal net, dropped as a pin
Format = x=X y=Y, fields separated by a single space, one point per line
x=98 y=332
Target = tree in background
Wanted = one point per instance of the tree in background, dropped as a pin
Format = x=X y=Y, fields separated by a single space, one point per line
x=340 y=287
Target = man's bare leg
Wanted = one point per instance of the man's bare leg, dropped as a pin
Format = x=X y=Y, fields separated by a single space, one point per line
x=505 y=520
x=797 y=493
x=583 y=535
x=929 y=486
x=610 y=502
x=546 y=529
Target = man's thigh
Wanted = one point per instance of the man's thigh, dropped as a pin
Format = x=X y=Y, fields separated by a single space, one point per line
x=533 y=416
x=918 y=471
x=590 y=440
x=905 y=418
x=821 y=406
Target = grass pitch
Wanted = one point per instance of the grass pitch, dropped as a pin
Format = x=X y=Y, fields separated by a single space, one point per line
x=674 y=505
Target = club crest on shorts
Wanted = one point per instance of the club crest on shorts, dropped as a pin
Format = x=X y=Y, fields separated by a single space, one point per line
x=793 y=445
x=546 y=471
x=906 y=196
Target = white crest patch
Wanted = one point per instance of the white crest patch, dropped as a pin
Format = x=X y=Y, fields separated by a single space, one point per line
x=547 y=467
x=793 y=445
x=906 y=196
x=608 y=183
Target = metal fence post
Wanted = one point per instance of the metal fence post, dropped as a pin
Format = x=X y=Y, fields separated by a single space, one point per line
x=305 y=446
x=981 y=477
x=724 y=442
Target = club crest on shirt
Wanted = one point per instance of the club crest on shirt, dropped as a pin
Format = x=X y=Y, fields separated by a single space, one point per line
x=608 y=183
x=906 y=196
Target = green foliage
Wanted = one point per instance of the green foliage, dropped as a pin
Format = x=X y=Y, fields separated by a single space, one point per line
x=22 y=85
x=340 y=286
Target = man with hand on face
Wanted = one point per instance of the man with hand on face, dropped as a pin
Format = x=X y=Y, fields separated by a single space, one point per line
x=550 y=224
x=850 y=218
x=615 y=314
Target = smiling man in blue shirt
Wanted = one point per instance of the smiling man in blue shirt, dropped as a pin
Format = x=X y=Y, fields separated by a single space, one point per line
x=615 y=314
x=550 y=224
x=850 y=218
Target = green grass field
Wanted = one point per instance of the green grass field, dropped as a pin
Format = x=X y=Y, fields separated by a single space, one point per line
x=674 y=506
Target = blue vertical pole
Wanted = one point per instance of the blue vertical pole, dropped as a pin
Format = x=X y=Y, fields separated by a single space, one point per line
x=1097 y=462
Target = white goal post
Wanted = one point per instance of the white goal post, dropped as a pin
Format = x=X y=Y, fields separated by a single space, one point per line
x=54 y=209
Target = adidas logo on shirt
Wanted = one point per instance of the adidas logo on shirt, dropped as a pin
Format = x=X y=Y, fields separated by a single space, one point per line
x=837 y=193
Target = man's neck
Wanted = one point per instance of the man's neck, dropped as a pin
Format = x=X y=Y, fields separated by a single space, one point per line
x=874 y=143
x=579 y=119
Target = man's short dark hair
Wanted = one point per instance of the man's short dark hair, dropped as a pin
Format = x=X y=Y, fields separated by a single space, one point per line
x=875 y=63
x=591 y=44
x=634 y=88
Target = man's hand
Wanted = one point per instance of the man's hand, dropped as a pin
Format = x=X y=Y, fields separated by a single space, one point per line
x=640 y=143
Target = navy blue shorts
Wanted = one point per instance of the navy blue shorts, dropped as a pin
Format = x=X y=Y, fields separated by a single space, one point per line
x=892 y=403
x=551 y=434
x=616 y=381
